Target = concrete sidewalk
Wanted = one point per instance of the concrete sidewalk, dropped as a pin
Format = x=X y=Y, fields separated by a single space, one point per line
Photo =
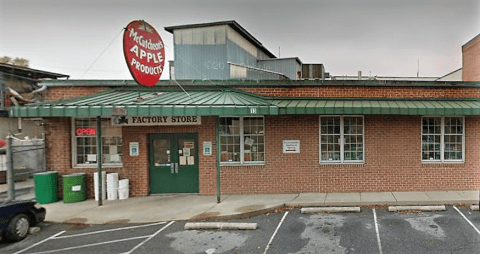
x=198 y=207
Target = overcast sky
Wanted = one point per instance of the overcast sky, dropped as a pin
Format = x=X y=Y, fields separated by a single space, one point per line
x=377 y=37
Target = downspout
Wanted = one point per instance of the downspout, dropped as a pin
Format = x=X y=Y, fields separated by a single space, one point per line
x=218 y=159
x=42 y=89
x=99 y=158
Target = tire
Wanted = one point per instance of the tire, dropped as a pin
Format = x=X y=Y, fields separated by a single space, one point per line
x=18 y=228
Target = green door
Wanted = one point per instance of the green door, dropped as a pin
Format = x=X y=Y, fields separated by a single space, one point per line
x=173 y=163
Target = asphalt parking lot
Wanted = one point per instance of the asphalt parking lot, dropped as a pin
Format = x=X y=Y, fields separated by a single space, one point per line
x=455 y=230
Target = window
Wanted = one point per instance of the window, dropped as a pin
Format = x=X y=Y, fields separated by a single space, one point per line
x=242 y=140
x=341 y=139
x=84 y=146
x=443 y=139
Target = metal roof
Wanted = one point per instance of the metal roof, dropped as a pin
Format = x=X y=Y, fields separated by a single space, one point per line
x=267 y=83
x=230 y=102
x=233 y=24
x=29 y=72
x=378 y=107
x=149 y=102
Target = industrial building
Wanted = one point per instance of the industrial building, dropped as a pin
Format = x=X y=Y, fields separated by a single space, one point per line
x=235 y=119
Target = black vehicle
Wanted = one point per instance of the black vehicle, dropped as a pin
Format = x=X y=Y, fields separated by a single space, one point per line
x=17 y=216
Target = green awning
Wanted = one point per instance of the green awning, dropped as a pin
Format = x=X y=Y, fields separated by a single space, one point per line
x=231 y=102
x=378 y=107
x=154 y=102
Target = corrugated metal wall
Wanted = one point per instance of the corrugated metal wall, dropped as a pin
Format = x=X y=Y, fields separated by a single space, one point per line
x=204 y=53
x=200 y=53
x=201 y=62
x=288 y=66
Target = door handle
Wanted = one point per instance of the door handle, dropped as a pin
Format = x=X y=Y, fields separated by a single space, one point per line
x=176 y=168
x=172 y=167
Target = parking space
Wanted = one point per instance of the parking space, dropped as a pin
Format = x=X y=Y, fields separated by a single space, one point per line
x=427 y=232
x=369 y=231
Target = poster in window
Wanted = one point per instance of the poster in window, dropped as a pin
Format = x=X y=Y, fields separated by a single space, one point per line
x=115 y=157
x=191 y=160
x=190 y=145
x=112 y=150
x=249 y=141
x=183 y=160
x=91 y=157
x=186 y=151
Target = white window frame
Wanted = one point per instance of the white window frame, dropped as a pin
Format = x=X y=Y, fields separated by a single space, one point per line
x=74 y=149
x=342 y=141
x=242 y=143
x=442 y=141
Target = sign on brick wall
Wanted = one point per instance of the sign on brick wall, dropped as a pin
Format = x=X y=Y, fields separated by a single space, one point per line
x=156 y=120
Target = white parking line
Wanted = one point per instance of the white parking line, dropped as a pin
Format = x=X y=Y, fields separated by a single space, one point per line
x=29 y=247
x=90 y=245
x=469 y=222
x=274 y=233
x=378 y=233
x=108 y=230
x=150 y=237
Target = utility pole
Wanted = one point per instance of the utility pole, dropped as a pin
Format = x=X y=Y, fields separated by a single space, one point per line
x=10 y=174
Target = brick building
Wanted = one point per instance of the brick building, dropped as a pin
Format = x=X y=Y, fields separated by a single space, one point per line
x=279 y=134
x=471 y=59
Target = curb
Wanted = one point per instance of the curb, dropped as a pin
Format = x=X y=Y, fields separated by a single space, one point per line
x=418 y=208
x=220 y=225
x=206 y=217
x=330 y=209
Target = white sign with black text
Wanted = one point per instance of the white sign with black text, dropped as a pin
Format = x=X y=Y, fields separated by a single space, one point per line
x=156 y=120
x=291 y=146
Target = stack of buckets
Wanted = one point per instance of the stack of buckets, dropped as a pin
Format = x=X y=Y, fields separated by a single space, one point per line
x=95 y=183
x=123 y=189
x=114 y=188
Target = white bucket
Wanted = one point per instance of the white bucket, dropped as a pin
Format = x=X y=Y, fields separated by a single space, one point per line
x=95 y=184
x=123 y=183
x=123 y=193
x=112 y=186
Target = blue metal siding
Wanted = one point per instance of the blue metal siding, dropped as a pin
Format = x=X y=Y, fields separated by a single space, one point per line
x=288 y=66
x=201 y=62
x=235 y=54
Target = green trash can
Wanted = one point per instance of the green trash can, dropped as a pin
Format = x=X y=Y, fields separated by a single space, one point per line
x=46 y=187
x=74 y=188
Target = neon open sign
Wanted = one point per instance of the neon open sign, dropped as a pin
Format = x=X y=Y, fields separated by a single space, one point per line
x=86 y=131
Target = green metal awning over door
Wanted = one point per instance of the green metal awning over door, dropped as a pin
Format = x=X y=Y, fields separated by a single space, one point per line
x=378 y=107
x=154 y=102
x=230 y=102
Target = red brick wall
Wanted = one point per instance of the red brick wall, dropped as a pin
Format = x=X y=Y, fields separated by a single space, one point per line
x=135 y=168
x=471 y=60
x=62 y=93
x=392 y=161
x=366 y=92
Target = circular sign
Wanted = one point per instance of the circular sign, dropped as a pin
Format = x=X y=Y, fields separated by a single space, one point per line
x=144 y=52
x=2 y=143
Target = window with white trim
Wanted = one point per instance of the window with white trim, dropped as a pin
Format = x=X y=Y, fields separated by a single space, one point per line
x=242 y=140
x=84 y=143
x=443 y=139
x=341 y=139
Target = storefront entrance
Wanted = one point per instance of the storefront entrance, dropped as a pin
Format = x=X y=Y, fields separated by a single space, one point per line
x=173 y=163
